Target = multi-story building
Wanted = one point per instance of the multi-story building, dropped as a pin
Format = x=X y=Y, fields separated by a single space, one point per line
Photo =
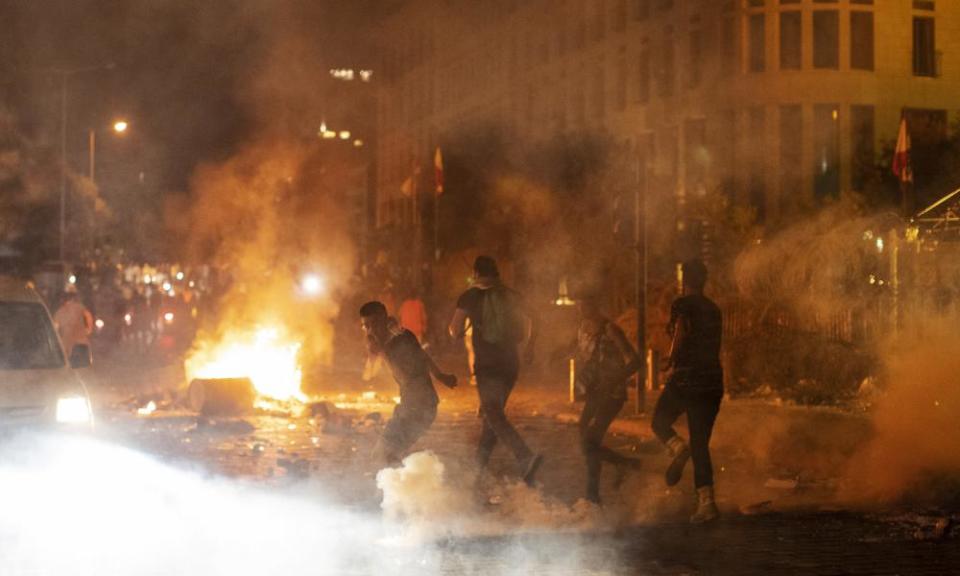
x=780 y=101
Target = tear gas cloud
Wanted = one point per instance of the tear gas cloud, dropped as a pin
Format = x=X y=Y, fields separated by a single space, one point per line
x=79 y=506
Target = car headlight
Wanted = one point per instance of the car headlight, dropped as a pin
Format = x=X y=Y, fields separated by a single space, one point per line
x=73 y=410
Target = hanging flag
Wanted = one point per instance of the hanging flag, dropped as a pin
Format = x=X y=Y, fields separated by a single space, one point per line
x=438 y=170
x=406 y=188
x=901 y=155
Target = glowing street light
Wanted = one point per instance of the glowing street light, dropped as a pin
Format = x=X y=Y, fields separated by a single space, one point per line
x=120 y=126
x=312 y=285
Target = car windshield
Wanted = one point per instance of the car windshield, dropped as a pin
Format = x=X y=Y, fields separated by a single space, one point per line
x=27 y=338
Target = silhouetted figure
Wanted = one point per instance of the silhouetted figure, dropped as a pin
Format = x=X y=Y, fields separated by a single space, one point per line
x=605 y=360
x=694 y=386
x=411 y=368
x=500 y=323
x=74 y=322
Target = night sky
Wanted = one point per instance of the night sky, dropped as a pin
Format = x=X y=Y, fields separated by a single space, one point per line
x=194 y=77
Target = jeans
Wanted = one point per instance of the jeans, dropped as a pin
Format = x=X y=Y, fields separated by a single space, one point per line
x=494 y=392
x=599 y=411
x=701 y=406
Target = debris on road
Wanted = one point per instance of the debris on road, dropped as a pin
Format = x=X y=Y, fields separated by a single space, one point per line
x=221 y=396
x=781 y=483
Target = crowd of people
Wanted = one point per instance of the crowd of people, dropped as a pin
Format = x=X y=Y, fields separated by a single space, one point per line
x=139 y=311
x=503 y=331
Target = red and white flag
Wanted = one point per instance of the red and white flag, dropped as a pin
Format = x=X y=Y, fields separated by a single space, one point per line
x=901 y=155
x=438 y=170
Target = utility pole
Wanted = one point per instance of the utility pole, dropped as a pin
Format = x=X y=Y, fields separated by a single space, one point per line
x=640 y=277
x=64 y=76
x=63 y=163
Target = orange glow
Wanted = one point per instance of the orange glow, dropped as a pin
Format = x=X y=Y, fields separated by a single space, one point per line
x=265 y=355
x=120 y=126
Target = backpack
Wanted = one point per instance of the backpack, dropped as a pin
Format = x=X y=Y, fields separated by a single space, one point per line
x=500 y=319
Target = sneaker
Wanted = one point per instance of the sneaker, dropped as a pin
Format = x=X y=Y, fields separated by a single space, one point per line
x=681 y=453
x=530 y=470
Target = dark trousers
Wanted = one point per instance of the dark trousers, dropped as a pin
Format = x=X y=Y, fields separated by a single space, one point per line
x=410 y=421
x=599 y=411
x=494 y=392
x=701 y=406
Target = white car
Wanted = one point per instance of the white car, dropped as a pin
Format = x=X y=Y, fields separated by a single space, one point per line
x=37 y=385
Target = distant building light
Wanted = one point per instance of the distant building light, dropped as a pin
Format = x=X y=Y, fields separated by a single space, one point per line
x=366 y=75
x=344 y=134
x=329 y=135
x=342 y=73
x=358 y=143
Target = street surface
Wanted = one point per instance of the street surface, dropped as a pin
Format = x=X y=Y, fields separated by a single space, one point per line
x=774 y=522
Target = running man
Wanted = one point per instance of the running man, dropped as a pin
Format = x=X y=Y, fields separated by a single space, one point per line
x=411 y=368
x=605 y=360
x=499 y=324
x=694 y=386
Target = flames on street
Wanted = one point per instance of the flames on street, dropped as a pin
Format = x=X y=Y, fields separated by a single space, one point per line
x=265 y=355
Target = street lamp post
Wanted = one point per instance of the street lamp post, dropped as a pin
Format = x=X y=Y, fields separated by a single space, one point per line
x=119 y=127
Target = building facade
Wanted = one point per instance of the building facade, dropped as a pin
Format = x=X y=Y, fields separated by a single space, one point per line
x=778 y=102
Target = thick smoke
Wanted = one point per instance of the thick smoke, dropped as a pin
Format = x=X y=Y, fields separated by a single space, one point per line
x=837 y=261
x=913 y=452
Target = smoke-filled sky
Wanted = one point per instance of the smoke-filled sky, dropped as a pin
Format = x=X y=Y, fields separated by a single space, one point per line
x=186 y=73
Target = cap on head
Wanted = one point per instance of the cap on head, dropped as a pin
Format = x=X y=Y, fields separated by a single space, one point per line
x=373 y=308
x=694 y=274
x=485 y=267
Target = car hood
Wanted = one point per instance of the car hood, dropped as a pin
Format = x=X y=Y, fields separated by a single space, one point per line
x=20 y=388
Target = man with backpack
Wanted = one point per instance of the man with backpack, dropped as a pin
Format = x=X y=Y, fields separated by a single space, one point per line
x=499 y=324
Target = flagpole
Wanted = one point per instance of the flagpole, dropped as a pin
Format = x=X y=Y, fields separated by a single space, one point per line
x=436 y=227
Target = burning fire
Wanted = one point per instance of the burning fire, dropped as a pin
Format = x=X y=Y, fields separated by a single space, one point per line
x=264 y=356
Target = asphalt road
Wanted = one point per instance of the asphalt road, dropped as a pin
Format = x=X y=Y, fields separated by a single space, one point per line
x=505 y=529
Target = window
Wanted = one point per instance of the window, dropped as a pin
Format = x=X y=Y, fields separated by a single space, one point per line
x=826 y=39
x=641 y=9
x=599 y=20
x=599 y=93
x=924 y=5
x=757 y=184
x=826 y=141
x=667 y=71
x=791 y=151
x=924 y=47
x=643 y=74
x=27 y=338
x=861 y=40
x=791 y=40
x=695 y=69
x=620 y=15
x=695 y=154
x=621 y=94
x=862 y=135
x=729 y=48
x=757 y=45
